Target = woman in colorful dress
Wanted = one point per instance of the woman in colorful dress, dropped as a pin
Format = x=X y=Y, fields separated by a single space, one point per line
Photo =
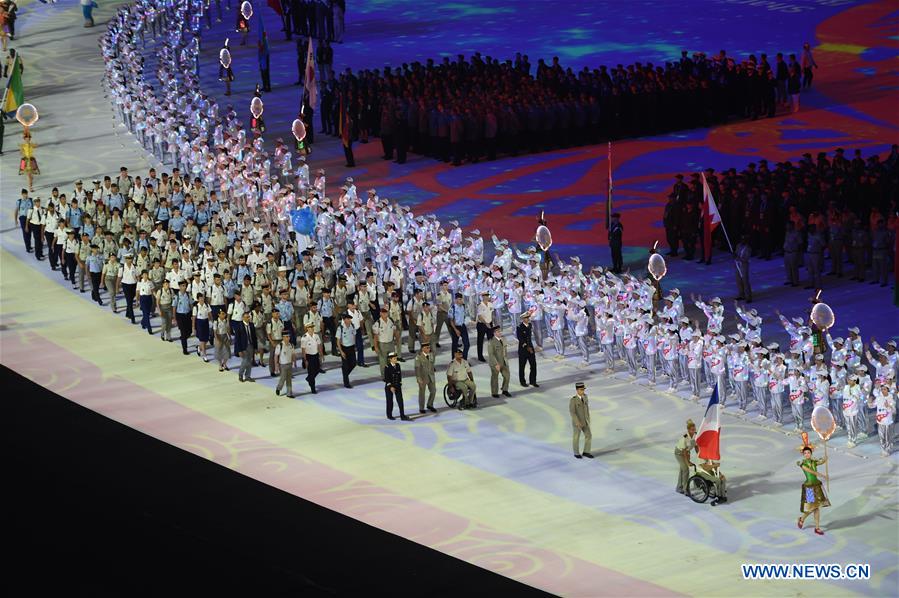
x=813 y=498
x=28 y=163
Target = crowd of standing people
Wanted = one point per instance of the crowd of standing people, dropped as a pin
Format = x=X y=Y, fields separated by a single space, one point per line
x=835 y=207
x=467 y=109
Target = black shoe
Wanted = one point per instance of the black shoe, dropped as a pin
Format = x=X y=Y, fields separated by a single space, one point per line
x=185 y=352
x=315 y=392
x=249 y=379
x=535 y=385
x=588 y=455
x=390 y=417
x=422 y=411
x=348 y=385
x=481 y=359
x=363 y=365
x=525 y=384
x=714 y=503
x=405 y=418
x=432 y=410
x=495 y=396
x=506 y=393
x=722 y=499
x=577 y=457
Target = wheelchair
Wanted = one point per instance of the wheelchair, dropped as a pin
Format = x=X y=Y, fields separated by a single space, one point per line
x=453 y=397
x=700 y=489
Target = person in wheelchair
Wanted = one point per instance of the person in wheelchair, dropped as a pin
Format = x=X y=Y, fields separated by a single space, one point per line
x=460 y=379
x=711 y=472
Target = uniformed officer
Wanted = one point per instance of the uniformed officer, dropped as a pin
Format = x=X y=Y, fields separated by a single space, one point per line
x=384 y=332
x=792 y=245
x=393 y=386
x=741 y=262
x=526 y=350
x=183 y=315
x=814 y=257
x=274 y=330
x=682 y=455
x=313 y=352
x=459 y=375
x=880 y=244
x=579 y=408
x=346 y=337
x=499 y=363
x=616 y=240
x=456 y=322
x=245 y=346
x=424 y=375
x=286 y=356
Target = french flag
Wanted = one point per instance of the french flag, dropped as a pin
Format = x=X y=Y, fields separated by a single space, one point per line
x=710 y=429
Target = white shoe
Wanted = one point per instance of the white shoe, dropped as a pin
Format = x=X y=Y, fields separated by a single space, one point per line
x=850 y=445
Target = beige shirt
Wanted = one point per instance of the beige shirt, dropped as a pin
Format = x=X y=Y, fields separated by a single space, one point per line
x=458 y=371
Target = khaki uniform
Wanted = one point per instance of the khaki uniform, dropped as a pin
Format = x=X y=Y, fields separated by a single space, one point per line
x=385 y=330
x=496 y=356
x=458 y=374
x=579 y=407
x=424 y=375
x=682 y=455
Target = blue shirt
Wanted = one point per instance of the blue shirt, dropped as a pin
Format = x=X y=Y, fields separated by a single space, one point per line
x=141 y=243
x=182 y=303
x=230 y=287
x=177 y=199
x=202 y=217
x=326 y=308
x=162 y=213
x=89 y=229
x=95 y=263
x=347 y=334
x=115 y=201
x=176 y=223
x=242 y=270
x=74 y=217
x=188 y=210
x=457 y=314
x=215 y=207
x=24 y=205
x=285 y=308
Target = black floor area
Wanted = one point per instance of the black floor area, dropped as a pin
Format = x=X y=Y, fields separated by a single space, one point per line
x=94 y=506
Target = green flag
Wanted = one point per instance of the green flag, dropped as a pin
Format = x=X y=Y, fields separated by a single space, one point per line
x=15 y=93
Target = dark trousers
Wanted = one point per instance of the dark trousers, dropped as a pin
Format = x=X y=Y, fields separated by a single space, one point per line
x=26 y=236
x=673 y=241
x=387 y=146
x=360 y=348
x=266 y=79
x=463 y=336
x=348 y=154
x=617 y=259
x=146 y=308
x=69 y=267
x=397 y=392
x=38 y=242
x=95 y=286
x=129 y=290
x=330 y=326
x=215 y=309
x=527 y=357
x=48 y=237
x=184 y=326
x=483 y=331
x=313 y=367
x=348 y=363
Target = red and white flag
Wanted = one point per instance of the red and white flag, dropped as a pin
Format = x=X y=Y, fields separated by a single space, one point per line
x=310 y=84
x=710 y=217
x=710 y=430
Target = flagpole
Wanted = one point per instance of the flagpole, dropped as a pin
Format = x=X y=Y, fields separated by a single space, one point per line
x=609 y=189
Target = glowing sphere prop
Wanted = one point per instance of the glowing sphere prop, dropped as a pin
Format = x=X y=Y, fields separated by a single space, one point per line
x=27 y=115
x=822 y=422
x=225 y=57
x=543 y=237
x=298 y=129
x=256 y=107
x=657 y=267
x=822 y=316
x=246 y=9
